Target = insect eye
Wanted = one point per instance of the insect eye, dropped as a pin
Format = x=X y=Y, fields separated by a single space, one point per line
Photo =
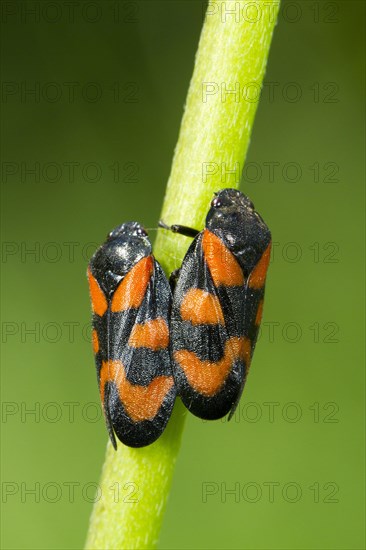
x=140 y=232
x=216 y=203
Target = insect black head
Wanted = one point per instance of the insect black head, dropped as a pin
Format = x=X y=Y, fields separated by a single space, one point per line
x=129 y=230
x=124 y=247
x=231 y=198
x=233 y=218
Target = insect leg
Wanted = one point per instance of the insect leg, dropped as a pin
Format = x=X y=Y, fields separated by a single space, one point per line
x=181 y=229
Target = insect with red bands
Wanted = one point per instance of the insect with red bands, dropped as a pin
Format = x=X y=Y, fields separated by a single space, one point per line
x=131 y=301
x=217 y=305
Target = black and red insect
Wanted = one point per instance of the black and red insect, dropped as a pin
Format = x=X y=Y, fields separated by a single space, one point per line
x=217 y=305
x=131 y=301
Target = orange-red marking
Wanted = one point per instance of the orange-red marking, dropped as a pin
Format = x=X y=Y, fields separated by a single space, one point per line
x=95 y=341
x=131 y=290
x=258 y=275
x=152 y=334
x=223 y=266
x=200 y=307
x=140 y=402
x=259 y=314
x=98 y=299
x=206 y=377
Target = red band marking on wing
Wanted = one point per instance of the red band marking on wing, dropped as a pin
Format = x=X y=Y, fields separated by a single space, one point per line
x=258 y=275
x=140 y=402
x=152 y=334
x=207 y=377
x=200 y=307
x=95 y=341
x=98 y=299
x=259 y=314
x=223 y=266
x=131 y=290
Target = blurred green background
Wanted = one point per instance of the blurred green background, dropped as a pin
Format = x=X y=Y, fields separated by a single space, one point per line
x=109 y=81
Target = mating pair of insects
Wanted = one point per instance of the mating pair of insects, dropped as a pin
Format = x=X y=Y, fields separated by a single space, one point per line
x=194 y=337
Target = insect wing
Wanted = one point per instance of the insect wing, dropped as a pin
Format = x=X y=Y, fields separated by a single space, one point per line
x=133 y=358
x=210 y=351
x=249 y=322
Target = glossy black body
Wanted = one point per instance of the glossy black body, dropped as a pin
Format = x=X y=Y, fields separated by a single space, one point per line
x=112 y=262
x=234 y=221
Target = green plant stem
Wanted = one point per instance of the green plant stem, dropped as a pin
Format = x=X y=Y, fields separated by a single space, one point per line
x=216 y=126
x=213 y=140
